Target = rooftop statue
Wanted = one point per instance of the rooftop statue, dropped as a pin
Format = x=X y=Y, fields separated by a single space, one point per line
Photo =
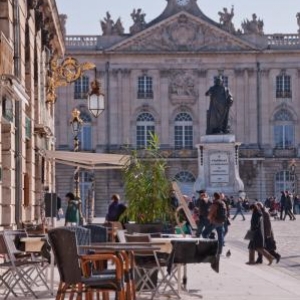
x=63 y=20
x=226 y=19
x=298 y=21
x=109 y=27
x=139 y=22
x=218 y=112
x=255 y=26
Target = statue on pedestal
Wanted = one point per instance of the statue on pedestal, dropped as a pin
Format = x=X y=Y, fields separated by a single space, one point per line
x=218 y=112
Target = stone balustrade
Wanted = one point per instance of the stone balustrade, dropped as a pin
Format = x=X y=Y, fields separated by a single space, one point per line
x=283 y=39
x=91 y=41
x=81 y=41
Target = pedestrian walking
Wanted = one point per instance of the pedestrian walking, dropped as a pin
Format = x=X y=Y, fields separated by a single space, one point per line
x=202 y=206
x=270 y=243
x=288 y=207
x=282 y=204
x=257 y=242
x=72 y=212
x=239 y=209
x=217 y=217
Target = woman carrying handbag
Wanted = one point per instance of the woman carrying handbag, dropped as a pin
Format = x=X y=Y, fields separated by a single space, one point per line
x=257 y=243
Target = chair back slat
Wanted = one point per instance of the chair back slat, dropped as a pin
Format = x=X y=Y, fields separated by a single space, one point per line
x=99 y=234
x=12 y=239
x=3 y=248
x=64 y=244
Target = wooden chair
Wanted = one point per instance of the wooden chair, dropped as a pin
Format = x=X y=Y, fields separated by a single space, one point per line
x=75 y=270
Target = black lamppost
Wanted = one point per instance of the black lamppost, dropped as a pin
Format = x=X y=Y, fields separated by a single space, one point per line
x=293 y=173
x=76 y=125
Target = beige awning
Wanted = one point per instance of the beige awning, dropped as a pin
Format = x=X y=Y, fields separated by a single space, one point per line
x=94 y=161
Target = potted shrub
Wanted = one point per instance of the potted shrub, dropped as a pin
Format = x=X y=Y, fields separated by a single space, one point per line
x=147 y=188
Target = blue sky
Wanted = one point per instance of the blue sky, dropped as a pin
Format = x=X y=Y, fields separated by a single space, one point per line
x=84 y=16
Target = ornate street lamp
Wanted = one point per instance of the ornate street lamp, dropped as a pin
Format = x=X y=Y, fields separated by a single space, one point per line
x=76 y=125
x=96 y=98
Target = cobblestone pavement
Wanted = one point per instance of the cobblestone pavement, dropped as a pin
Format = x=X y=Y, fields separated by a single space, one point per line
x=287 y=236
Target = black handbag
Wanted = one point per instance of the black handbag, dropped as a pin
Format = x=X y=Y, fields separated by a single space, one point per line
x=249 y=235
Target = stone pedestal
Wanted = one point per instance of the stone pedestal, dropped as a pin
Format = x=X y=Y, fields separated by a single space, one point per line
x=218 y=163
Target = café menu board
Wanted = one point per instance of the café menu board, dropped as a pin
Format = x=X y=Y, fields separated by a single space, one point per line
x=219 y=168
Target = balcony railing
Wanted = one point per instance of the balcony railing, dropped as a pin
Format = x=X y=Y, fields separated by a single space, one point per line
x=6 y=56
x=145 y=95
x=283 y=94
x=280 y=152
x=164 y=152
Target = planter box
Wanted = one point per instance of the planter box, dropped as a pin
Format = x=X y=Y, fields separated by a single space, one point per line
x=144 y=228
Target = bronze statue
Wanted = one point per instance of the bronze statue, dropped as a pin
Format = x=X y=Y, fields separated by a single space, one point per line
x=218 y=113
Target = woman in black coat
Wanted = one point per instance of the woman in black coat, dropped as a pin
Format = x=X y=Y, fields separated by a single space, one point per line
x=257 y=243
x=270 y=242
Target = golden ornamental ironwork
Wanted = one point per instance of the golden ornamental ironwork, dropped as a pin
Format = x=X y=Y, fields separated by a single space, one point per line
x=63 y=74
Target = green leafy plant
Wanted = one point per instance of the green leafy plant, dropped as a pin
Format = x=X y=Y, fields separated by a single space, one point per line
x=147 y=188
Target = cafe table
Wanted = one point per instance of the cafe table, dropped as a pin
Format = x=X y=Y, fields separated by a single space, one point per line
x=185 y=250
x=121 y=248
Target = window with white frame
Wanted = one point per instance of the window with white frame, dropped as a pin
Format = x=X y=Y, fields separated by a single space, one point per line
x=85 y=134
x=284 y=180
x=145 y=89
x=283 y=86
x=145 y=126
x=183 y=131
x=185 y=181
x=81 y=87
x=284 y=130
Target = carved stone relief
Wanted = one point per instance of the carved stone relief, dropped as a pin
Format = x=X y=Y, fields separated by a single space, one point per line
x=182 y=87
x=184 y=35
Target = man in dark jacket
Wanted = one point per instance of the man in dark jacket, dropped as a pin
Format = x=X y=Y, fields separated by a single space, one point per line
x=202 y=206
x=282 y=204
x=288 y=206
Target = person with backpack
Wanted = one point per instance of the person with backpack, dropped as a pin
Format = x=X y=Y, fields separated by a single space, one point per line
x=217 y=216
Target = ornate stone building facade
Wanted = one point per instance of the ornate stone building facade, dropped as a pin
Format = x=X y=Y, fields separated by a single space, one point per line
x=155 y=79
x=29 y=33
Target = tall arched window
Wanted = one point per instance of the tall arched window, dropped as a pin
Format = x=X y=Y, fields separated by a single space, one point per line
x=284 y=180
x=85 y=135
x=145 y=125
x=284 y=129
x=183 y=131
x=186 y=181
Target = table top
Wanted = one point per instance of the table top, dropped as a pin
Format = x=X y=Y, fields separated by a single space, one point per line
x=120 y=247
